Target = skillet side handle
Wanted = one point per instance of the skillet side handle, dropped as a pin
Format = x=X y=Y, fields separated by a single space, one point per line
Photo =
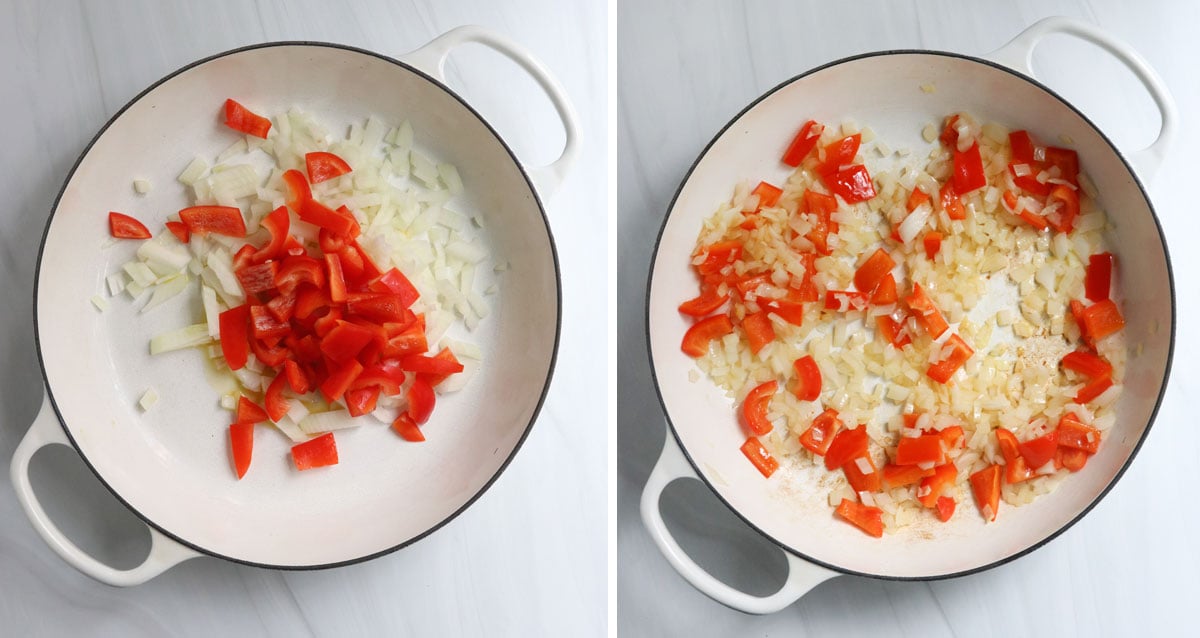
x=802 y=575
x=431 y=59
x=164 y=552
x=1018 y=55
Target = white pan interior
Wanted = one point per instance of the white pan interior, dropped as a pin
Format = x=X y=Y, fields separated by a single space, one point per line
x=171 y=464
x=883 y=92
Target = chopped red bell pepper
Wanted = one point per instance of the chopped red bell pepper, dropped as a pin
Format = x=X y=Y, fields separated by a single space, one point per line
x=949 y=136
x=257 y=278
x=345 y=341
x=386 y=375
x=948 y=364
x=760 y=457
x=873 y=270
x=222 y=220
x=846 y=445
x=790 y=311
x=985 y=485
x=707 y=303
x=759 y=330
x=945 y=508
x=316 y=213
x=296 y=377
x=420 y=400
x=933 y=244
x=1067 y=162
x=754 y=407
x=265 y=325
x=323 y=166
x=719 y=255
x=278 y=222
x=339 y=379
x=434 y=378
x=296 y=270
x=273 y=400
x=1015 y=467
x=845 y=300
x=1098 y=280
x=868 y=519
x=298 y=189
x=926 y=448
x=916 y=199
x=818 y=437
x=885 y=293
x=270 y=355
x=768 y=195
x=123 y=226
x=859 y=479
x=893 y=331
x=1026 y=179
x=968 y=170
x=1075 y=434
x=926 y=313
x=951 y=202
x=1073 y=460
x=902 y=475
x=1103 y=319
x=1022 y=146
x=421 y=364
x=241 y=444
x=234 y=330
x=808 y=378
x=180 y=230
x=407 y=428
x=249 y=412
x=1039 y=451
x=319 y=452
x=376 y=307
x=1063 y=219
x=841 y=153
x=362 y=400
x=943 y=478
x=337 y=281
x=241 y=119
x=804 y=142
x=282 y=307
x=1093 y=389
x=1088 y=364
x=853 y=184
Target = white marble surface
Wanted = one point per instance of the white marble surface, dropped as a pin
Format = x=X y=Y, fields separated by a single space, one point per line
x=527 y=559
x=1131 y=567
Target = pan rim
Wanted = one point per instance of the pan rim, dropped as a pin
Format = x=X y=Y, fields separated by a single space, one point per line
x=1115 y=478
x=557 y=320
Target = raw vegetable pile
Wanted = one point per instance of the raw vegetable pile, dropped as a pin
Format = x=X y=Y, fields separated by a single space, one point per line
x=854 y=316
x=314 y=318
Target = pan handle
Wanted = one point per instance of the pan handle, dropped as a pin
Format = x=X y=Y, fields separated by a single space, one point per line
x=1018 y=55
x=431 y=59
x=802 y=575
x=164 y=552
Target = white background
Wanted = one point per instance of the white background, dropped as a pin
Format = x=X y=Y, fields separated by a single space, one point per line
x=1131 y=567
x=528 y=558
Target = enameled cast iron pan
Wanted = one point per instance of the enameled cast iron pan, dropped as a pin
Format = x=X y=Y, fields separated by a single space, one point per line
x=881 y=90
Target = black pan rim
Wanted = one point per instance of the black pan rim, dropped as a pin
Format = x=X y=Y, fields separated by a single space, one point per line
x=1116 y=477
x=557 y=321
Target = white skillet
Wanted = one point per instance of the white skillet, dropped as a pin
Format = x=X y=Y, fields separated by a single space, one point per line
x=169 y=465
x=881 y=90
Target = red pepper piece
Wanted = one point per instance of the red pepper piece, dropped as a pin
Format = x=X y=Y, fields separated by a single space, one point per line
x=804 y=142
x=985 y=485
x=759 y=331
x=362 y=400
x=240 y=118
x=1102 y=319
x=968 y=170
x=873 y=270
x=696 y=339
x=760 y=457
x=278 y=222
x=258 y=278
x=933 y=244
x=754 y=407
x=420 y=400
x=316 y=213
x=944 y=368
x=819 y=436
x=273 y=400
x=123 y=226
x=298 y=189
x=337 y=280
x=808 y=378
x=943 y=478
x=296 y=378
x=902 y=475
x=319 y=452
x=845 y=300
x=339 y=379
x=1093 y=389
x=407 y=429
x=323 y=166
x=848 y=444
x=180 y=230
x=891 y=330
x=860 y=480
x=1098 y=280
x=234 y=330
x=868 y=519
x=241 y=445
x=1075 y=434
x=926 y=448
x=1039 y=451
x=852 y=184
x=951 y=202
x=945 y=508
x=249 y=412
x=222 y=220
